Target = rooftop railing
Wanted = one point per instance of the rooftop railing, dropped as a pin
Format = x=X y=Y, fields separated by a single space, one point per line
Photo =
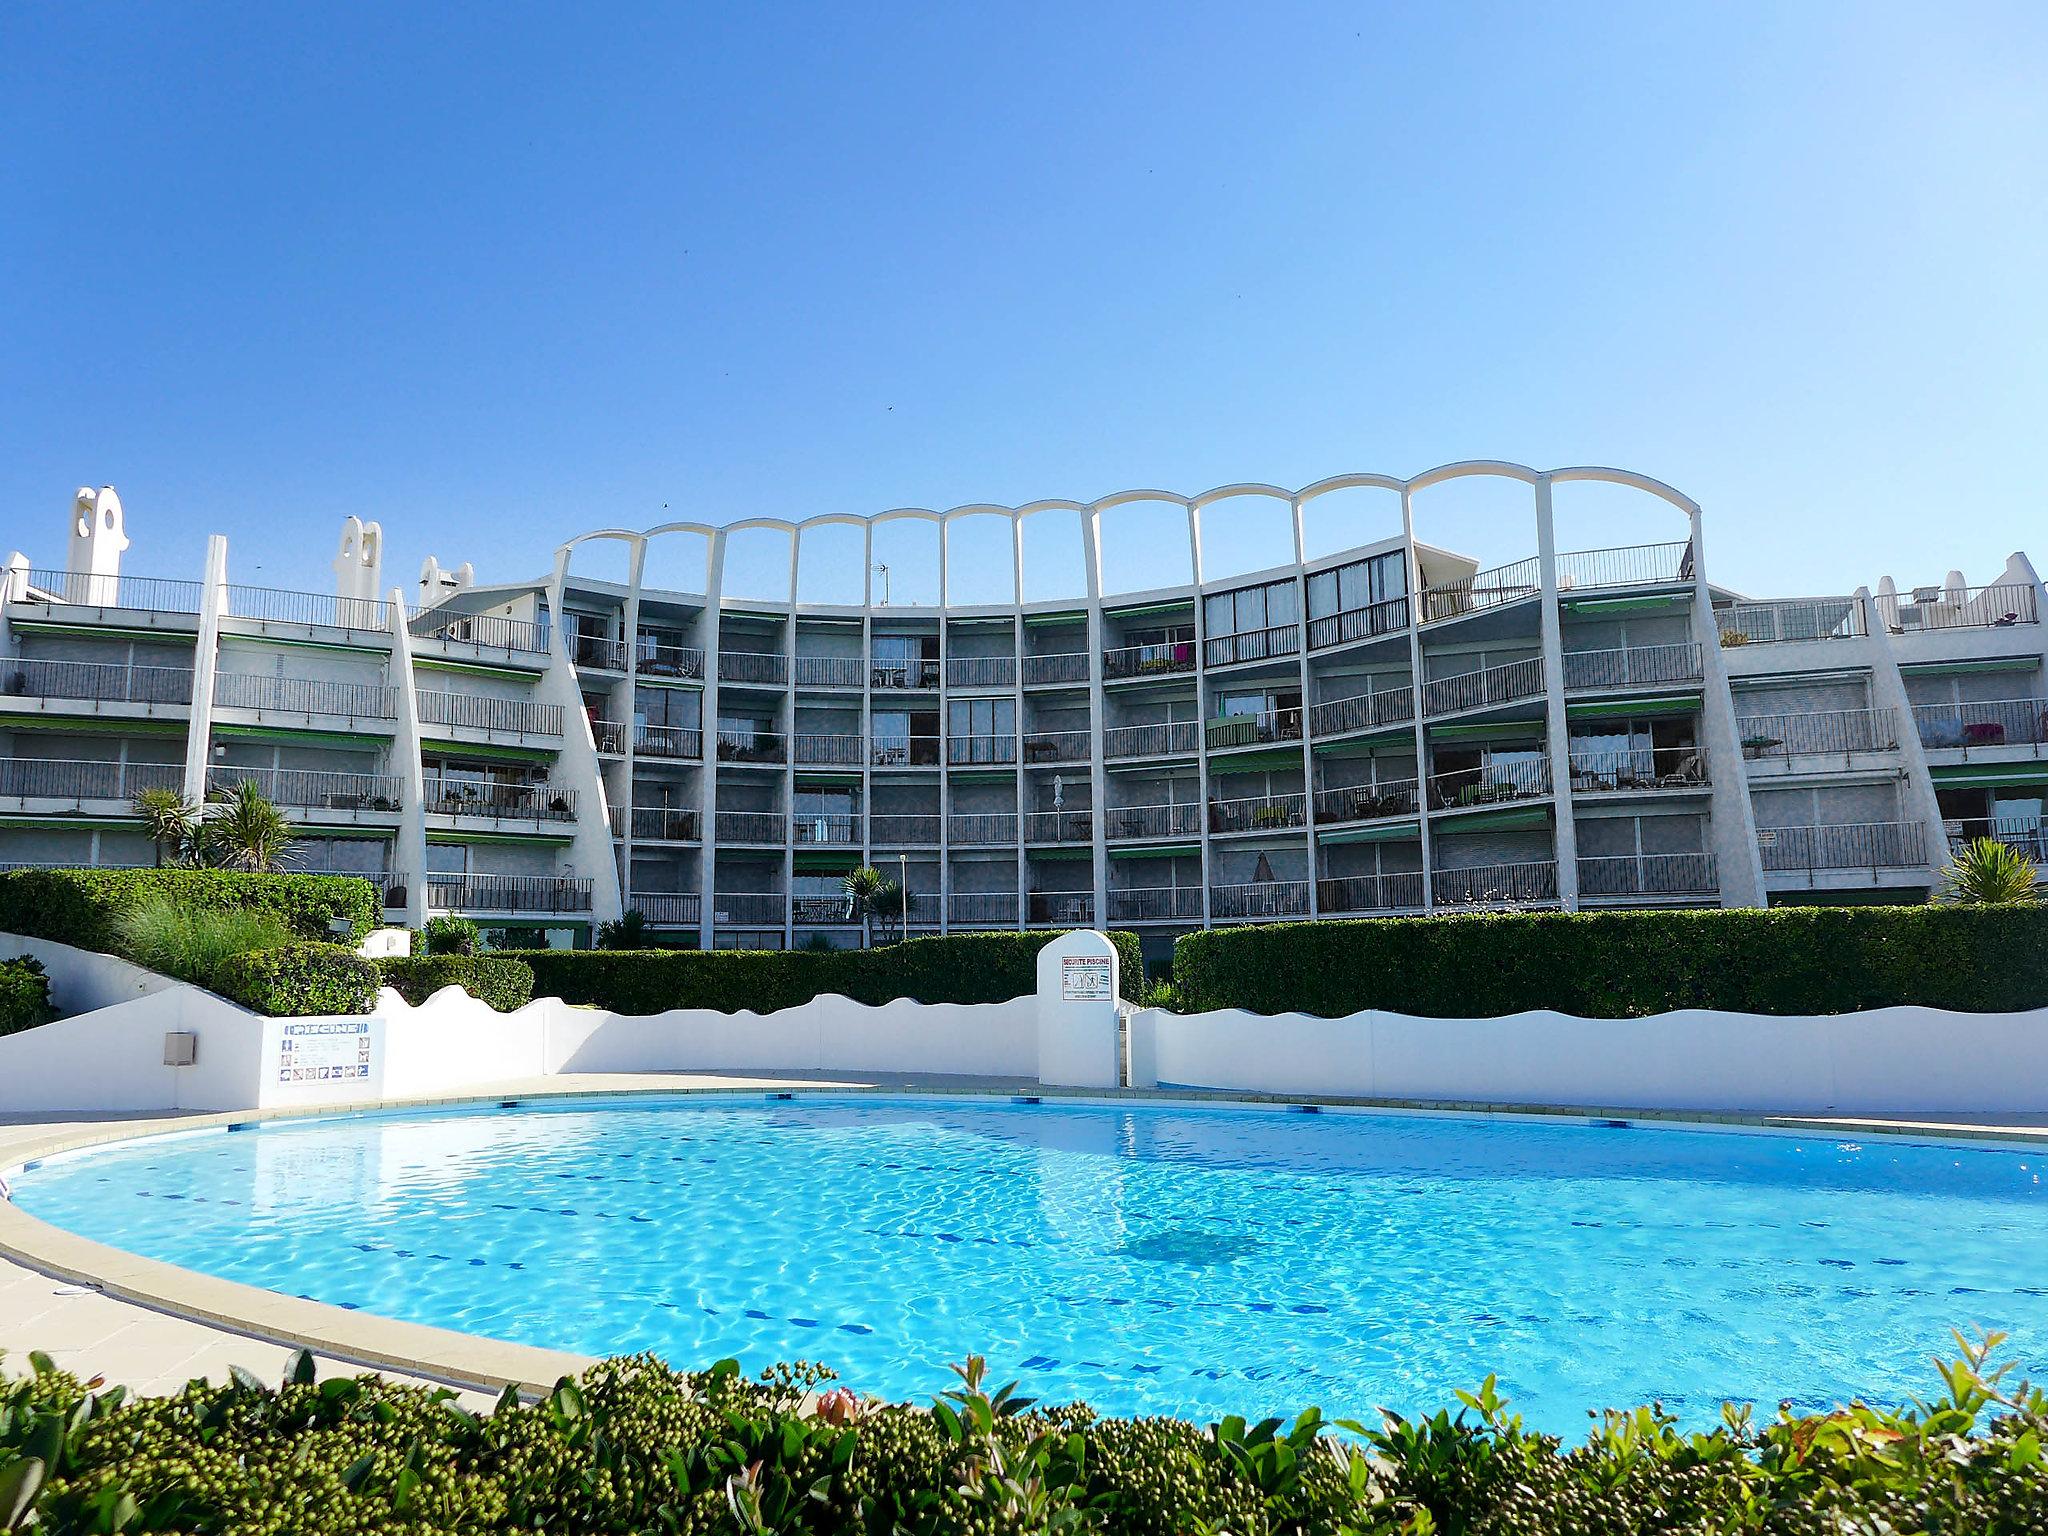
x=1163 y=660
x=1124 y=823
x=769 y=827
x=1481 y=590
x=1164 y=738
x=981 y=829
x=677 y=741
x=1397 y=891
x=317 y=610
x=1259 y=813
x=488 y=630
x=1649 y=874
x=1493 y=784
x=304 y=696
x=1065 y=667
x=1362 y=712
x=480 y=712
x=669 y=909
x=1618 y=769
x=41 y=778
x=313 y=789
x=829 y=671
x=1869 y=845
x=1057 y=746
x=97 y=682
x=981 y=671
x=1634 y=666
x=767 y=668
x=1369 y=802
x=1630 y=565
x=1268 y=644
x=1157 y=904
x=1260 y=899
x=1062 y=826
x=1532 y=882
x=1992 y=723
x=1350 y=625
x=138 y=594
x=1819 y=732
x=508 y=893
x=1503 y=684
x=1788 y=619
x=497 y=800
x=1271 y=725
x=1994 y=607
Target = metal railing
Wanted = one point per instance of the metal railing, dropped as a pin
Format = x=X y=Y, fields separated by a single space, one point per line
x=1268 y=644
x=1994 y=607
x=1496 y=885
x=480 y=712
x=749 y=909
x=1362 y=712
x=1785 y=619
x=664 y=824
x=904 y=751
x=899 y=830
x=42 y=778
x=1251 y=730
x=304 y=696
x=311 y=609
x=1063 y=746
x=981 y=671
x=1502 y=684
x=661 y=659
x=1064 y=667
x=684 y=741
x=972 y=909
x=1398 y=891
x=1157 y=904
x=752 y=827
x=1261 y=813
x=1648 y=874
x=1856 y=845
x=2023 y=836
x=1261 y=899
x=497 y=800
x=829 y=671
x=313 y=789
x=98 y=682
x=829 y=748
x=599 y=651
x=831 y=910
x=996 y=748
x=669 y=909
x=1072 y=909
x=836 y=829
x=507 y=893
x=766 y=667
x=1165 y=738
x=137 y=594
x=489 y=630
x=1127 y=822
x=1818 y=732
x=1481 y=590
x=1997 y=723
x=981 y=829
x=922 y=909
x=608 y=736
x=1369 y=802
x=1628 y=565
x=918 y=676
x=1493 y=784
x=1629 y=768
x=387 y=883
x=1149 y=660
x=1065 y=826
x=1384 y=617
x=750 y=746
x=1633 y=666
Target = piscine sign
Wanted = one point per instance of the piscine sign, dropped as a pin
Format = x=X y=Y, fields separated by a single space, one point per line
x=1085 y=979
x=324 y=1050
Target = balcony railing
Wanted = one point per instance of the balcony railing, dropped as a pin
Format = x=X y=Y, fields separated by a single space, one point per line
x=1157 y=904
x=309 y=609
x=1269 y=644
x=1161 y=660
x=896 y=830
x=2024 y=835
x=997 y=748
x=829 y=671
x=313 y=789
x=1059 y=826
x=659 y=658
x=1494 y=784
x=304 y=696
x=830 y=910
x=1996 y=607
x=1649 y=874
x=982 y=909
x=1057 y=746
x=922 y=909
x=479 y=712
x=837 y=829
x=1362 y=712
x=1803 y=618
x=1497 y=885
x=1399 y=891
x=1869 y=845
x=507 y=893
x=1633 y=666
x=1631 y=768
x=1385 y=617
x=669 y=909
x=981 y=829
x=39 y=778
x=981 y=671
x=904 y=751
x=136 y=594
x=750 y=746
x=98 y=682
x=483 y=629
x=1165 y=738
x=1820 y=732
x=1066 y=667
x=1068 y=909
x=768 y=827
x=904 y=675
x=679 y=741
x=1631 y=565
x=1251 y=730
x=601 y=652
x=1123 y=823
x=497 y=800
x=1481 y=590
x=750 y=909
x=1503 y=684
x=828 y=748
x=1998 y=723
x=1369 y=802
x=664 y=824
x=1263 y=813
x=1260 y=900
x=770 y=668
x=607 y=736
x=388 y=885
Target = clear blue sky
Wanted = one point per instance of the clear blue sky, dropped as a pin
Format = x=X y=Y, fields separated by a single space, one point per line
x=493 y=274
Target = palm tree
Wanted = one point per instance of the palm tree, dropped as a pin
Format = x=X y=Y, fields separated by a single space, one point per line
x=862 y=886
x=1988 y=873
x=243 y=830
x=170 y=819
x=888 y=904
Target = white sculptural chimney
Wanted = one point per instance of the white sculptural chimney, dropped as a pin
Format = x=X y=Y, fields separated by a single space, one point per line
x=359 y=570
x=98 y=535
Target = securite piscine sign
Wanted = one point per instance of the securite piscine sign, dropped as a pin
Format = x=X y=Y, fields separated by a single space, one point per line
x=1085 y=979
x=324 y=1050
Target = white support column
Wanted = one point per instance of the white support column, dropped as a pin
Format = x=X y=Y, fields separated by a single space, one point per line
x=1413 y=576
x=629 y=739
x=707 y=865
x=1201 y=717
x=1098 y=710
x=1557 y=730
x=409 y=847
x=1917 y=801
x=1308 y=760
x=1738 y=862
x=576 y=764
x=213 y=594
x=785 y=717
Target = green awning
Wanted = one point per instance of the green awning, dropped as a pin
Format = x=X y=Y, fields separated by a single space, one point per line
x=69 y=824
x=1065 y=853
x=1165 y=851
x=1231 y=760
x=94 y=725
x=1184 y=605
x=826 y=861
x=103 y=631
x=1608 y=709
x=1362 y=743
x=441 y=747
x=228 y=637
x=644 y=681
x=308 y=737
x=474 y=668
x=1038 y=620
x=497 y=839
x=984 y=776
x=1624 y=604
x=1498 y=730
x=1988 y=775
x=362 y=834
x=1970 y=668
x=806 y=780
x=1512 y=819
x=1383 y=832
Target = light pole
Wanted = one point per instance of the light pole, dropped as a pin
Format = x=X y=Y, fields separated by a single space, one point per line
x=903 y=893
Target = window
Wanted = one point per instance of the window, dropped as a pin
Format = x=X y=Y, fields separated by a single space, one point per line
x=982 y=731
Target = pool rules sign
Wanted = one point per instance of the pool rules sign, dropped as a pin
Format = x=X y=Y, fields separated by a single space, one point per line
x=332 y=1060
x=1077 y=1019
x=1087 y=979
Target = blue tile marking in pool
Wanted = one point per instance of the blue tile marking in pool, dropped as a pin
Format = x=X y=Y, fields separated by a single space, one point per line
x=1191 y=1259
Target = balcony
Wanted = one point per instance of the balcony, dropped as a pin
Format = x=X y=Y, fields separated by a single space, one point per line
x=1362 y=712
x=1272 y=643
x=829 y=671
x=1057 y=746
x=507 y=893
x=1790 y=619
x=904 y=751
x=305 y=610
x=1995 y=607
x=1129 y=661
x=2024 y=835
x=750 y=746
x=969 y=751
x=1368 y=802
x=599 y=653
x=98 y=682
x=1264 y=813
x=922 y=909
x=74 y=782
x=1630 y=565
x=1167 y=738
x=1396 y=892
x=1350 y=625
x=1507 y=683
x=1059 y=826
x=1065 y=909
x=388 y=885
x=827 y=749
x=479 y=712
x=1872 y=845
x=982 y=909
x=1067 y=668
x=304 y=698
x=1157 y=904
x=749 y=909
x=497 y=800
x=904 y=676
x=1130 y=823
x=669 y=909
x=672 y=741
x=1481 y=591
x=661 y=659
x=837 y=829
x=1260 y=901
x=486 y=631
x=917 y=830
x=1254 y=730
x=311 y=789
x=768 y=828
x=981 y=671
x=1463 y=789
x=1999 y=723
x=764 y=669
x=1818 y=733
x=661 y=824
x=982 y=829
x=128 y=594
x=1529 y=884
x=608 y=737
x=1634 y=666
x=834 y=911
x=1630 y=769
x=1649 y=875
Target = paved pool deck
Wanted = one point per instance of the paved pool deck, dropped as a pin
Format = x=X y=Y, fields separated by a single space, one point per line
x=99 y=1311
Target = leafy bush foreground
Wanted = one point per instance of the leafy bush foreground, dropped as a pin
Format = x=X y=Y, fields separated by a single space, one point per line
x=634 y=1446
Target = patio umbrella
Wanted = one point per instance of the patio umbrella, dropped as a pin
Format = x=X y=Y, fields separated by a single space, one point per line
x=1059 y=791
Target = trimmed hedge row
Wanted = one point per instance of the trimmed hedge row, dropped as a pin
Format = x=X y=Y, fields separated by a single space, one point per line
x=24 y=995
x=504 y=983
x=299 y=979
x=81 y=906
x=957 y=968
x=1607 y=965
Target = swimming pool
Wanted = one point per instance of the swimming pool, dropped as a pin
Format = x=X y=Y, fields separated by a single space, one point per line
x=1189 y=1259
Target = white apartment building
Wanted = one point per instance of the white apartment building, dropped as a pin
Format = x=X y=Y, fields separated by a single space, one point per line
x=1388 y=730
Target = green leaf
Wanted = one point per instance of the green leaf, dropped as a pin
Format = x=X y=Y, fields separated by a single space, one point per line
x=20 y=1481
x=299 y=1370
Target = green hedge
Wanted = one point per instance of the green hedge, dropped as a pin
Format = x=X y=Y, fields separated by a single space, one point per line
x=502 y=982
x=959 y=968
x=80 y=906
x=1787 y=960
x=632 y=1446
x=299 y=979
x=24 y=995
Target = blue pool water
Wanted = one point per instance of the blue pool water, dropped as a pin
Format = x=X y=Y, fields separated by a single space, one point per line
x=1192 y=1260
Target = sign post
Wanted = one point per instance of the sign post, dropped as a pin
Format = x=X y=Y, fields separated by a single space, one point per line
x=1077 y=1018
